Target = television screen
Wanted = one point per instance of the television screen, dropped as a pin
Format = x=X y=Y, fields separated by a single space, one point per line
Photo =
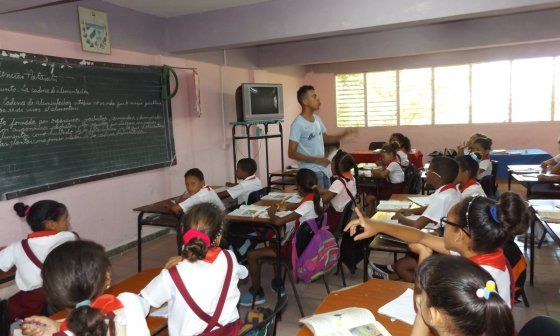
x=264 y=100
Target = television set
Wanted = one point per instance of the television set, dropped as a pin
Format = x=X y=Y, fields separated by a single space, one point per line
x=259 y=102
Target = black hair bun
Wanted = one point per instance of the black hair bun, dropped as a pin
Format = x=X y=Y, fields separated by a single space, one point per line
x=21 y=209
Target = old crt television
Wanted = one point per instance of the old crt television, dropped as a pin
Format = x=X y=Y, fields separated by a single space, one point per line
x=259 y=102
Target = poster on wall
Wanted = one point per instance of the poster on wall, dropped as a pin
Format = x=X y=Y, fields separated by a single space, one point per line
x=94 y=30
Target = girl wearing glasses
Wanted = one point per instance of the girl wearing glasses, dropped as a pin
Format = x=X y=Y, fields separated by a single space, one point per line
x=475 y=228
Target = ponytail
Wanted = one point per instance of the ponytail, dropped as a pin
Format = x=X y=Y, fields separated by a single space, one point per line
x=203 y=225
x=499 y=321
x=306 y=181
x=317 y=205
x=88 y=321
x=40 y=212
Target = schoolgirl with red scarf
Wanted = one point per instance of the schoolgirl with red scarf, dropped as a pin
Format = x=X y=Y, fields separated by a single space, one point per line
x=310 y=207
x=49 y=221
x=466 y=181
x=75 y=275
x=200 y=287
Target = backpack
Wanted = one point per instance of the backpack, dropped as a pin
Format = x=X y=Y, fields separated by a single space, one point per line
x=319 y=256
x=412 y=180
x=518 y=265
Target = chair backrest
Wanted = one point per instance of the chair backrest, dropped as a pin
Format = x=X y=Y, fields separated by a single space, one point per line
x=518 y=265
x=412 y=180
x=344 y=219
x=541 y=326
x=495 y=167
x=268 y=326
x=256 y=195
x=487 y=184
x=376 y=145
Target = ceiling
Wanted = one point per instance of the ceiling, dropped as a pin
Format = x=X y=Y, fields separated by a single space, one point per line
x=171 y=8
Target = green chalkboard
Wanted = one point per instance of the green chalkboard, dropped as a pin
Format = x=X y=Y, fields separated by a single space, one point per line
x=66 y=121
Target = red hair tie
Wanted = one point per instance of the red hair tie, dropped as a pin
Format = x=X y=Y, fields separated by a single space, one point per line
x=194 y=233
x=26 y=212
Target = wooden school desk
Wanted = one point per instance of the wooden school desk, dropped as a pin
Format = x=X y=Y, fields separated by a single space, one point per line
x=529 y=181
x=7 y=276
x=161 y=216
x=521 y=169
x=370 y=295
x=134 y=284
x=551 y=228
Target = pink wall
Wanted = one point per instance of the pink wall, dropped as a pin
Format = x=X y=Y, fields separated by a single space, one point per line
x=428 y=138
x=102 y=210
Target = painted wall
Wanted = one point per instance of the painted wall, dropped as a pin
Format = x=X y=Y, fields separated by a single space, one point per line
x=435 y=137
x=102 y=210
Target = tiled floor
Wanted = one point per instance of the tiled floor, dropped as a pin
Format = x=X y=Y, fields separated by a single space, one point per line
x=544 y=296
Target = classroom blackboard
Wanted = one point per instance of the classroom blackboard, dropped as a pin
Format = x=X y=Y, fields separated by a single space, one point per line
x=66 y=121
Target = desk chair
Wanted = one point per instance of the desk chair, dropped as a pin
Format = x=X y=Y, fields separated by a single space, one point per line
x=343 y=221
x=541 y=326
x=376 y=145
x=518 y=265
x=412 y=180
x=256 y=195
x=268 y=326
x=381 y=244
x=489 y=183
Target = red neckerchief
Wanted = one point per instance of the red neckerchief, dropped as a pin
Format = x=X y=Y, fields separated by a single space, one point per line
x=348 y=175
x=252 y=177
x=43 y=233
x=446 y=187
x=106 y=303
x=472 y=181
x=494 y=259
x=212 y=254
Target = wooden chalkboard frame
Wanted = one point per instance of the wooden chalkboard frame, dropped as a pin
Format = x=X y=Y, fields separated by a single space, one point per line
x=97 y=177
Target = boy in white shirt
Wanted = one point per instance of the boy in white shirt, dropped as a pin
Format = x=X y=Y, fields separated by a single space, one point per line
x=441 y=176
x=249 y=182
x=466 y=178
x=198 y=192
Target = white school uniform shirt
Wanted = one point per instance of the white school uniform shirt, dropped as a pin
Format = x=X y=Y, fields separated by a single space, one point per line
x=403 y=158
x=130 y=320
x=204 y=281
x=487 y=166
x=205 y=194
x=471 y=188
x=307 y=211
x=342 y=198
x=396 y=173
x=242 y=190
x=28 y=275
x=441 y=201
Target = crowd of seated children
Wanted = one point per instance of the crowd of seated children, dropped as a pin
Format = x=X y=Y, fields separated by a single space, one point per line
x=466 y=147
x=197 y=192
x=476 y=228
x=483 y=146
x=454 y=296
x=249 y=182
x=310 y=207
x=49 y=221
x=342 y=191
x=204 y=273
x=75 y=275
x=390 y=175
x=403 y=147
x=466 y=180
x=441 y=176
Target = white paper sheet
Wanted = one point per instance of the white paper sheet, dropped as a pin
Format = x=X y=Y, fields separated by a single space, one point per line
x=401 y=308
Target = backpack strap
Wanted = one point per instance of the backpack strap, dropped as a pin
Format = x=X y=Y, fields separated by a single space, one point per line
x=30 y=254
x=211 y=321
x=352 y=198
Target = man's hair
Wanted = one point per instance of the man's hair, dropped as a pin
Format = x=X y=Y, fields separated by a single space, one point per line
x=446 y=167
x=302 y=92
x=248 y=165
x=195 y=172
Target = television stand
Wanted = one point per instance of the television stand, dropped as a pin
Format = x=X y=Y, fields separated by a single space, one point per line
x=247 y=136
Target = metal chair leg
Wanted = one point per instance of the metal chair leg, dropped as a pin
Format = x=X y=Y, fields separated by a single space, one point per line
x=542 y=239
x=295 y=292
x=326 y=283
x=524 y=298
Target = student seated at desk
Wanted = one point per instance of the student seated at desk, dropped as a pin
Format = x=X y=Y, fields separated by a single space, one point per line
x=196 y=279
x=390 y=177
x=466 y=181
x=483 y=147
x=75 y=275
x=245 y=172
x=198 y=192
x=342 y=191
x=310 y=207
x=49 y=221
x=476 y=228
x=454 y=296
x=403 y=148
x=466 y=147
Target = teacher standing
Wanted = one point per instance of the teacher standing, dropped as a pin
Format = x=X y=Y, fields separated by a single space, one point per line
x=308 y=136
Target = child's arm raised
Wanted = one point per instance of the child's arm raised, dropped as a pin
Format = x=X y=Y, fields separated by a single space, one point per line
x=407 y=234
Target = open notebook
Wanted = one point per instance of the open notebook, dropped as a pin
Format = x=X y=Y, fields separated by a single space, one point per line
x=345 y=322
